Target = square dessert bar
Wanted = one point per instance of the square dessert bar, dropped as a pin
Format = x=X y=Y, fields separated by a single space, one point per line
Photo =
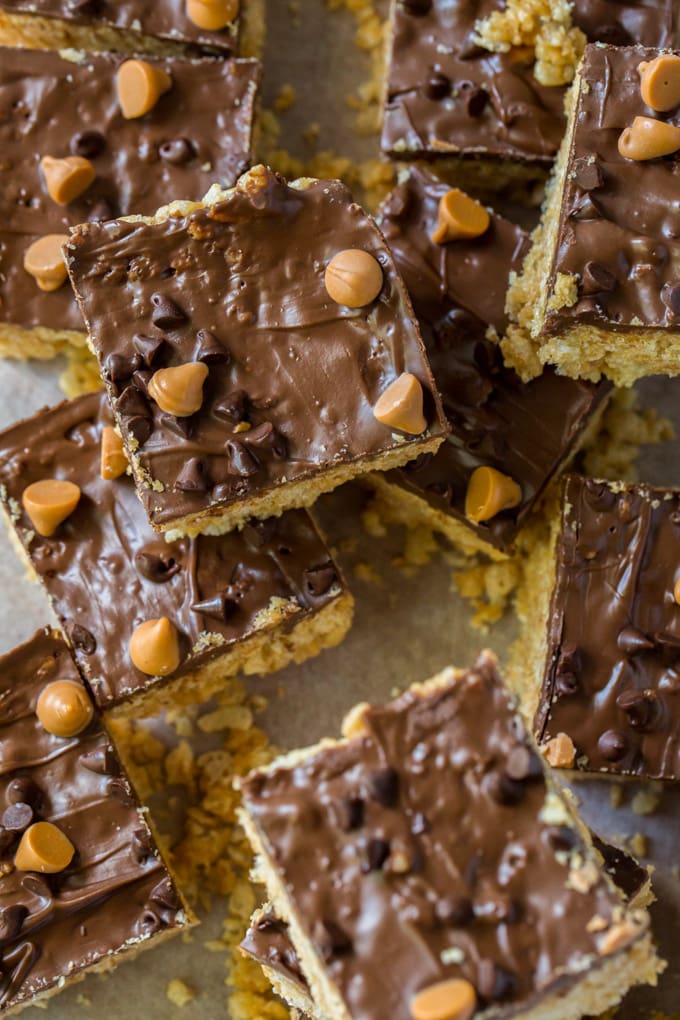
x=603 y=633
x=152 y=623
x=599 y=293
x=523 y=432
x=94 y=137
x=84 y=885
x=427 y=866
x=265 y=335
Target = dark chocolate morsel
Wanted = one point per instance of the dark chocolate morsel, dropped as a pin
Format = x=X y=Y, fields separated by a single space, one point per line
x=377 y=852
x=118 y=368
x=166 y=313
x=194 y=476
x=141 y=379
x=475 y=101
x=233 y=407
x=165 y=895
x=149 y=922
x=494 y=983
x=567 y=683
x=139 y=427
x=141 y=846
x=217 y=607
x=454 y=910
x=150 y=348
x=318 y=580
x=183 y=427
x=503 y=789
x=265 y=437
x=241 y=461
x=22 y=790
x=670 y=295
x=351 y=813
x=438 y=86
x=88 y=144
x=177 y=151
x=157 y=565
x=418 y=8
x=632 y=641
x=612 y=745
x=82 y=638
x=131 y=402
x=11 y=919
x=597 y=279
x=588 y=175
x=210 y=350
x=17 y=817
x=100 y=760
x=383 y=786
x=640 y=707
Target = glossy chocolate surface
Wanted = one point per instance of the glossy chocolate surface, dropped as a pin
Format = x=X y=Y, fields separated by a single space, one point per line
x=116 y=893
x=426 y=836
x=525 y=430
x=241 y=286
x=106 y=571
x=611 y=680
x=198 y=132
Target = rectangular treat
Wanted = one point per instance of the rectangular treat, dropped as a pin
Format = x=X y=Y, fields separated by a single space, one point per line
x=292 y=392
x=525 y=431
x=599 y=291
x=601 y=637
x=431 y=845
x=252 y=601
x=116 y=897
x=199 y=131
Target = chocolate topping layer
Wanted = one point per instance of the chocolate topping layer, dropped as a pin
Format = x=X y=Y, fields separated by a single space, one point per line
x=116 y=893
x=446 y=94
x=611 y=681
x=246 y=278
x=458 y=846
x=619 y=226
x=525 y=430
x=106 y=571
x=197 y=133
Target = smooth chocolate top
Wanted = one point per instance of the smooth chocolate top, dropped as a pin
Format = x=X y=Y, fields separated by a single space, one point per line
x=525 y=430
x=447 y=94
x=619 y=230
x=434 y=833
x=106 y=571
x=611 y=680
x=166 y=19
x=197 y=133
x=116 y=893
x=245 y=277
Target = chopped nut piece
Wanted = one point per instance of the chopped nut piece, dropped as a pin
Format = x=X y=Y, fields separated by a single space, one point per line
x=560 y=752
x=459 y=217
x=44 y=848
x=353 y=278
x=489 y=491
x=447 y=1000
x=44 y=261
x=154 y=647
x=64 y=708
x=660 y=82
x=114 y=461
x=49 y=502
x=648 y=139
x=140 y=85
x=212 y=15
x=66 y=179
x=179 y=390
x=400 y=406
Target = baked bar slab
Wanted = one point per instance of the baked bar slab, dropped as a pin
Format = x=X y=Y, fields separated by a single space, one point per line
x=430 y=845
x=288 y=400
x=251 y=601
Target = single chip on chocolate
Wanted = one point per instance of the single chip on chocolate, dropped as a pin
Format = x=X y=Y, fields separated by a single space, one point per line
x=67 y=112
x=600 y=291
x=525 y=431
x=601 y=637
x=84 y=885
x=153 y=623
x=474 y=871
x=282 y=378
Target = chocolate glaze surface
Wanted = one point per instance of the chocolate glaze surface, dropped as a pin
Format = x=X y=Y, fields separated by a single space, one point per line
x=246 y=278
x=525 y=430
x=612 y=679
x=446 y=94
x=619 y=212
x=426 y=835
x=106 y=571
x=116 y=893
x=198 y=132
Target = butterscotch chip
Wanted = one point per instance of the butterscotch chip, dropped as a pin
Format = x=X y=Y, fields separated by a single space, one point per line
x=676 y=591
x=459 y=216
x=66 y=179
x=44 y=261
x=140 y=85
x=488 y=493
x=400 y=406
x=49 y=502
x=64 y=708
x=447 y=1000
x=649 y=139
x=44 y=848
x=353 y=278
x=560 y=752
x=660 y=82
x=154 y=647
x=114 y=460
x=212 y=15
x=179 y=390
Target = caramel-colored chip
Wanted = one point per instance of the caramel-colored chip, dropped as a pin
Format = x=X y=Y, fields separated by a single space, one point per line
x=45 y=262
x=212 y=15
x=64 y=708
x=676 y=591
x=488 y=492
x=455 y=999
x=649 y=139
x=114 y=461
x=400 y=406
x=179 y=390
x=44 y=848
x=560 y=752
x=154 y=647
x=49 y=502
x=353 y=278
x=140 y=85
x=66 y=179
x=660 y=82
x=459 y=217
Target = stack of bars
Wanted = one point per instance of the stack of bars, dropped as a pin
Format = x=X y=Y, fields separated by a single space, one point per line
x=239 y=345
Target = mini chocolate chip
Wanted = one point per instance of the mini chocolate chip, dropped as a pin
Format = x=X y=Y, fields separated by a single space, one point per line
x=567 y=683
x=588 y=175
x=475 y=101
x=266 y=437
x=149 y=922
x=503 y=789
x=17 y=817
x=351 y=811
x=585 y=209
x=132 y=402
x=118 y=369
x=100 y=211
x=612 y=34
x=632 y=641
x=100 y=760
x=88 y=144
x=164 y=893
x=670 y=295
x=194 y=476
x=318 y=580
x=210 y=350
x=612 y=745
x=454 y=910
x=217 y=607
x=183 y=427
x=166 y=313
x=597 y=279
x=417 y=8
x=141 y=845
x=158 y=567
x=241 y=461
x=11 y=919
x=383 y=786
x=149 y=348
x=23 y=790
x=82 y=638
x=561 y=837
x=331 y=939
x=140 y=428
x=377 y=852
x=233 y=407
x=438 y=86
x=177 y=151
x=419 y=824
x=494 y=983
x=641 y=708
x=141 y=379
x=600 y=495
x=118 y=788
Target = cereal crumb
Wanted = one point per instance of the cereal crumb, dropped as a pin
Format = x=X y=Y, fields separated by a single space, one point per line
x=179 y=993
x=645 y=802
